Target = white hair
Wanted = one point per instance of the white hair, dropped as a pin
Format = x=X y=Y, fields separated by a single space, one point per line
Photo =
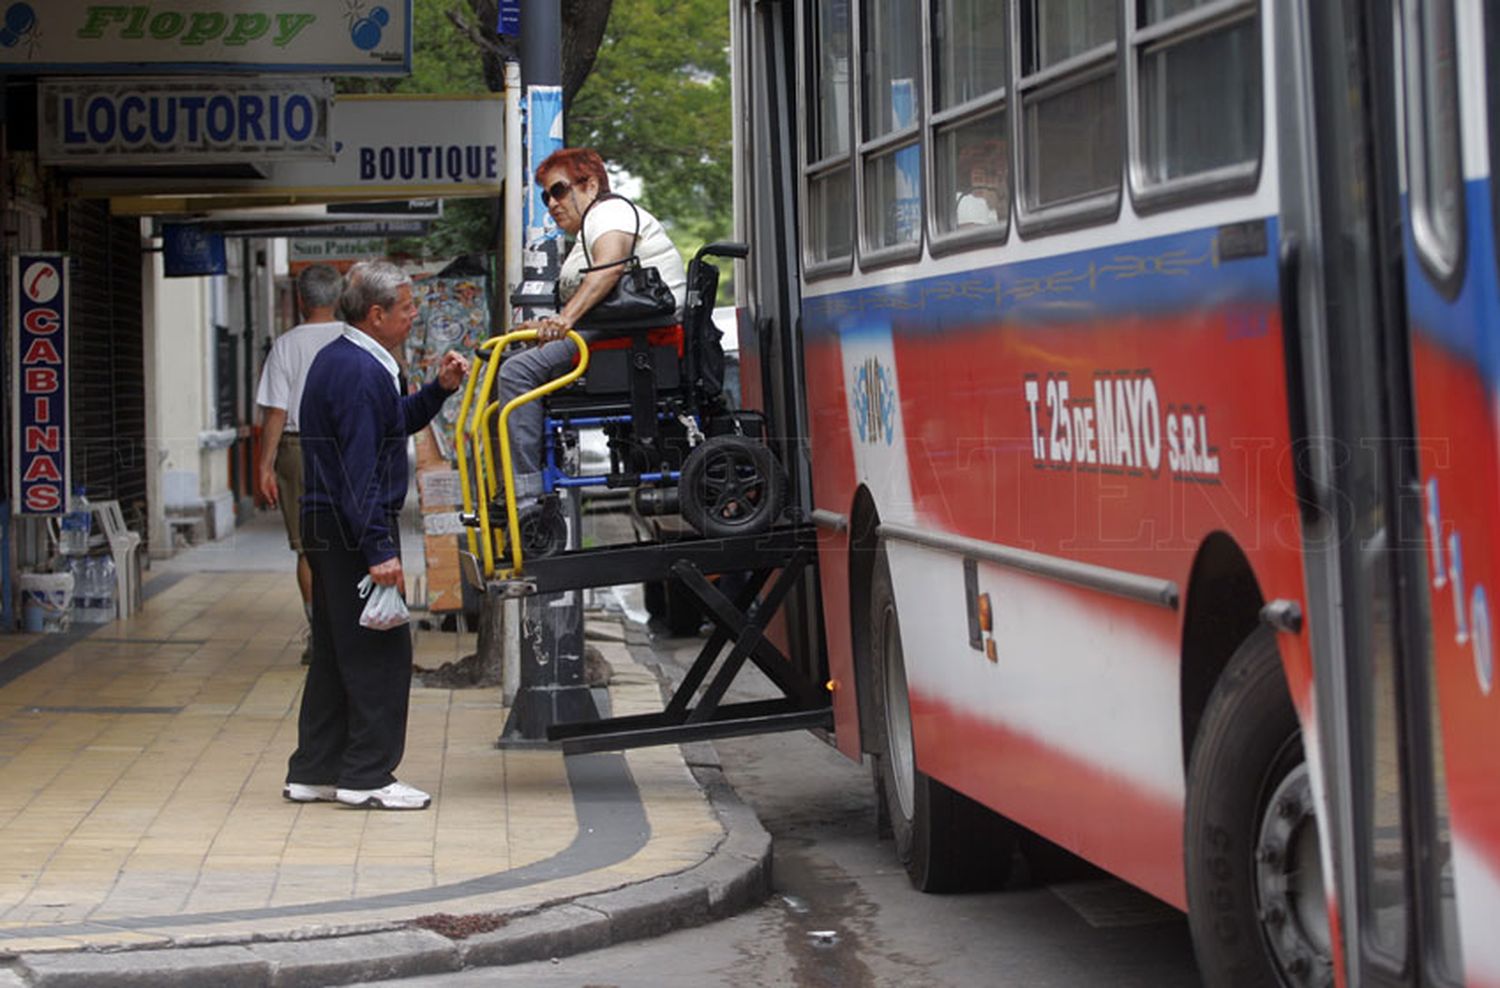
x=371 y=283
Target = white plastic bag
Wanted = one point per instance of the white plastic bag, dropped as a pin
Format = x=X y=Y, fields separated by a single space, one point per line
x=384 y=608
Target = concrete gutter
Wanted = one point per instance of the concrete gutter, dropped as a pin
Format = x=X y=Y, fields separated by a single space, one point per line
x=735 y=876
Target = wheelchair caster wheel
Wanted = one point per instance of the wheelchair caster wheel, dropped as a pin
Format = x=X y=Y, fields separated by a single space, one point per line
x=544 y=530
x=730 y=485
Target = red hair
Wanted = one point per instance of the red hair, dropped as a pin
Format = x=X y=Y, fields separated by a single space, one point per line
x=578 y=164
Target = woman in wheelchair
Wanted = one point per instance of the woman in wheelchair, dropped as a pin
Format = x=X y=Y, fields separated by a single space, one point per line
x=575 y=189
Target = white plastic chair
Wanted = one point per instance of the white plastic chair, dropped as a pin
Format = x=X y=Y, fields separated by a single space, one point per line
x=125 y=547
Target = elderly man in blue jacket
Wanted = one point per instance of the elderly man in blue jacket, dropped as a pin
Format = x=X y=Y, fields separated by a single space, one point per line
x=355 y=419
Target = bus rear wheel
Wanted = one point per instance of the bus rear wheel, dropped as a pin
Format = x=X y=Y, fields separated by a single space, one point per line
x=944 y=840
x=1257 y=906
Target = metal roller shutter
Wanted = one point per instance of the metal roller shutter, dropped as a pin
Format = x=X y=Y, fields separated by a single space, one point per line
x=107 y=397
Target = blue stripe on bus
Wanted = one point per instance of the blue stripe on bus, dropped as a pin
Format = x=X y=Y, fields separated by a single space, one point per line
x=1158 y=276
x=1468 y=326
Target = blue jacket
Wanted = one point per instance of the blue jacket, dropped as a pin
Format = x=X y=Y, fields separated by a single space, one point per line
x=353 y=434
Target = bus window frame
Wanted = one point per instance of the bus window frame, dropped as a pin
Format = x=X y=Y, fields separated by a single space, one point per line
x=886 y=144
x=1223 y=182
x=1446 y=275
x=1100 y=208
x=1492 y=119
x=812 y=171
x=996 y=100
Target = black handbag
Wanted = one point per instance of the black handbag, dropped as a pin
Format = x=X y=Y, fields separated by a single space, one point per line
x=639 y=300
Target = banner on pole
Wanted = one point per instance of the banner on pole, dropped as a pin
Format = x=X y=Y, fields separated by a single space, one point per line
x=544 y=111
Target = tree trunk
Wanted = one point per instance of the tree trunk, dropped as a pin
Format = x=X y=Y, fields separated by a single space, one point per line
x=583 y=24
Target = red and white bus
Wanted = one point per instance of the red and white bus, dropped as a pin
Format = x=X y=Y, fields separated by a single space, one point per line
x=1141 y=360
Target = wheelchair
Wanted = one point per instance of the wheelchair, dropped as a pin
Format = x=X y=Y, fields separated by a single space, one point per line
x=656 y=391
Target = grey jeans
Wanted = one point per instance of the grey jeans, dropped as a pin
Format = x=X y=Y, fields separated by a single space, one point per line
x=519 y=373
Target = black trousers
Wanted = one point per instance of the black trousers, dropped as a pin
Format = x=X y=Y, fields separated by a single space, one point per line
x=351 y=731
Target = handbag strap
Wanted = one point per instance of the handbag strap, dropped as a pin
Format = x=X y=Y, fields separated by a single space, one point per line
x=584 y=240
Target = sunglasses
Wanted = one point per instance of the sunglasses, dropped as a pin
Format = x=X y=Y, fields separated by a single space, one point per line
x=555 y=191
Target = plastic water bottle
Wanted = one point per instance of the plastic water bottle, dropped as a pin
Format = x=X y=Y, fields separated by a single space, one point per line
x=93 y=609
x=79 y=565
x=105 y=596
x=86 y=591
x=76 y=524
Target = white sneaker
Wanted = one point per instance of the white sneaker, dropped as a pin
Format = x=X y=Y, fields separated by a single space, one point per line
x=299 y=792
x=396 y=796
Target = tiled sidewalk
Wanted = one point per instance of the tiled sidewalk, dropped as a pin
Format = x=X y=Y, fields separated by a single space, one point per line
x=142 y=766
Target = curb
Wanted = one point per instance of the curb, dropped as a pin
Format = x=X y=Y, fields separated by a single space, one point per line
x=736 y=876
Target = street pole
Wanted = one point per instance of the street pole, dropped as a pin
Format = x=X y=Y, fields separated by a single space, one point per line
x=552 y=686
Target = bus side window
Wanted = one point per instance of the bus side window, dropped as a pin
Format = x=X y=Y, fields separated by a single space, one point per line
x=891 y=63
x=830 y=189
x=1069 y=110
x=1434 y=148
x=1198 y=119
x=970 y=120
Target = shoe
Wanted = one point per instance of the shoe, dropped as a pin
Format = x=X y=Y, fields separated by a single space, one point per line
x=396 y=796
x=301 y=792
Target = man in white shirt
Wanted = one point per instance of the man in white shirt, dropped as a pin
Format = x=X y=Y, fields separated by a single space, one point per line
x=279 y=479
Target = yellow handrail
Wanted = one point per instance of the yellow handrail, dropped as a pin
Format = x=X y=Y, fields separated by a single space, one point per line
x=485 y=454
x=459 y=446
x=482 y=444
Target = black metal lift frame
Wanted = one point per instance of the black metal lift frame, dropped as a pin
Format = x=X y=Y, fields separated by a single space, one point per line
x=789 y=550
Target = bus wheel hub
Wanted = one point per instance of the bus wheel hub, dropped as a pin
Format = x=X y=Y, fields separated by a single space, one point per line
x=1289 y=884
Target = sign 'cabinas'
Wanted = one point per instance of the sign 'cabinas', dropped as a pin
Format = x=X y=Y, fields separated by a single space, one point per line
x=39 y=313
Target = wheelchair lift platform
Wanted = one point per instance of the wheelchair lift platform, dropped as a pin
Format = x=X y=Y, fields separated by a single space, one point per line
x=785 y=553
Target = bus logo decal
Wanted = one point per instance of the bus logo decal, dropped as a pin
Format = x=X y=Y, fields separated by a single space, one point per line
x=874 y=395
x=1471 y=609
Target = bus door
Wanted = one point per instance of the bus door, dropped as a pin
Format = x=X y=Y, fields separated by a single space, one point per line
x=1448 y=102
x=1385 y=308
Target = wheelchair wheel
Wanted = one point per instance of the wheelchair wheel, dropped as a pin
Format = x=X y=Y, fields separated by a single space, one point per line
x=544 y=530
x=730 y=485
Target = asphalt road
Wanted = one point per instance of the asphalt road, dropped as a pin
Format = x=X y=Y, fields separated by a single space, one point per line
x=843 y=915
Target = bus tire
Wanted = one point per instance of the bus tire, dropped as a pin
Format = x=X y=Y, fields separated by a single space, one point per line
x=1256 y=903
x=944 y=840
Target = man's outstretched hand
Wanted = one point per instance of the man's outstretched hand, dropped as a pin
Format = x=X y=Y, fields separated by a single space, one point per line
x=453 y=370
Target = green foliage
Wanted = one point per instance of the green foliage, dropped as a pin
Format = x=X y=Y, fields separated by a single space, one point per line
x=657 y=105
x=442 y=59
x=467 y=226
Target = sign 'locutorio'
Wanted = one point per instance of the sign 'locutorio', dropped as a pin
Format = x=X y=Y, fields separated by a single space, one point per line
x=138 y=120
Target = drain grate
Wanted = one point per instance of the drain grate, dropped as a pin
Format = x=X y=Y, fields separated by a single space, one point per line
x=104 y=710
x=1111 y=904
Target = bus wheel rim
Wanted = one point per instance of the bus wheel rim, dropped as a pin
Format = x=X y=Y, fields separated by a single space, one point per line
x=898 y=717
x=1289 y=884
